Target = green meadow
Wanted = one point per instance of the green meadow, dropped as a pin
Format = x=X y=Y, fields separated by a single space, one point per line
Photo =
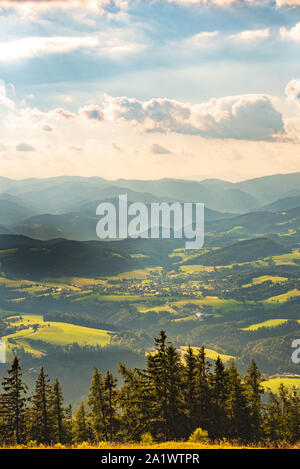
x=274 y=383
x=212 y=354
x=268 y=323
x=54 y=333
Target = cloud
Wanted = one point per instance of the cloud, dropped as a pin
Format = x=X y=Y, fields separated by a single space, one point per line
x=118 y=147
x=250 y=116
x=158 y=149
x=37 y=5
x=3 y=147
x=37 y=46
x=229 y=3
x=24 y=147
x=292 y=91
x=75 y=148
x=292 y=3
x=61 y=114
x=5 y=103
x=91 y=112
x=292 y=34
x=221 y=3
x=103 y=44
x=46 y=127
x=251 y=35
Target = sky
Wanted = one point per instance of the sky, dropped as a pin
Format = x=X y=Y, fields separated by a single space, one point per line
x=146 y=89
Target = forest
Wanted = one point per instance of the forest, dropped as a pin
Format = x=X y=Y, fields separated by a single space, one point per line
x=174 y=398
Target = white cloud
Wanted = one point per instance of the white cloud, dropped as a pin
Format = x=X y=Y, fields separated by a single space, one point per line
x=37 y=46
x=91 y=112
x=250 y=117
x=6 y=104
x=222 y=3
x=46 y=127
x=3 y=147
x=158 y=149
x=292 y=34
x=102 y=43
x=75 y=148
x=204 y=35
x=292 y=3
x=292 y=91
x=31 y=6
x=251 y=35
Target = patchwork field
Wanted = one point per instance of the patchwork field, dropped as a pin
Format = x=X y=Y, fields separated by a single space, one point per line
x=55 y=333
x=265 y=278
x=268 y=323
x=284 y=297
x=287 y=259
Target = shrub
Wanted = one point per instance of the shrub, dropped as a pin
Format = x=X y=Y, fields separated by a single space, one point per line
x=32 y=444
x=199 y=435
x=147 y=438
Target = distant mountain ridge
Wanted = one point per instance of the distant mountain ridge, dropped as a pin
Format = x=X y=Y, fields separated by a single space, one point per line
x=65 y=206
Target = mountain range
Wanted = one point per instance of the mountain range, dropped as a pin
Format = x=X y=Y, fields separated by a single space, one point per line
x=65 y=206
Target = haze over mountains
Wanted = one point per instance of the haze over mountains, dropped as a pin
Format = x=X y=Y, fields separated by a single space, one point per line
x=65 y=206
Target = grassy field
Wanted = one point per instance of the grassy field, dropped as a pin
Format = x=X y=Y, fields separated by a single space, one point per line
x=284 y=297
x=265 y=278
x=212 y=354
x=55 y=333
x=268 y=323
x=287 y=259
x=157 y=309
x=215 y=302
x=139 y=274
x=97 y=297
x=194 y=269
x=274 y=383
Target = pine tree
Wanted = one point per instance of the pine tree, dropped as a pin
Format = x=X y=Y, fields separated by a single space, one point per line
x=219 y=396
x=189 y=390
x=98 y=405
x=81 y=429
x=254 y=392
x=57 y=412
x=237 y=408
x=289 y=414
x=135 y=398
x=164 y=375
x=281 y=420
x=272 y=419
x=41 y=417
x=203 y=392
x=13 y=404
x=110 y=383
x=68 y=422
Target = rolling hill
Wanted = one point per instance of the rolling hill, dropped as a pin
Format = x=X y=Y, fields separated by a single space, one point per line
x=23 y=257
x=80 y=225
x=286 y=203
x=243 y=251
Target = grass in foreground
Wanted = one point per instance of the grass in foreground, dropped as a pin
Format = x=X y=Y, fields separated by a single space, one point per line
x=177 y=445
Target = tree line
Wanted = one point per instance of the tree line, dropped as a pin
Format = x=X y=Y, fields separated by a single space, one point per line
x=168 y=400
